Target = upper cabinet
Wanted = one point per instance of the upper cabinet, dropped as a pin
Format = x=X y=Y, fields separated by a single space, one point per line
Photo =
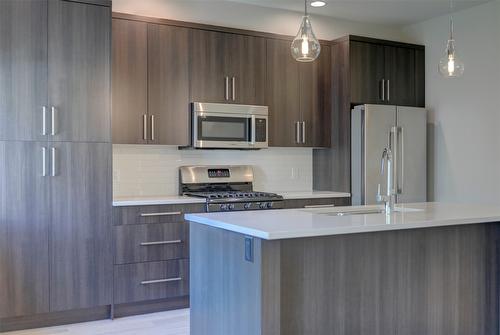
x=383 y=72
x=79 y=72
x=298 y=96
x=227 y=68
x=130 y=81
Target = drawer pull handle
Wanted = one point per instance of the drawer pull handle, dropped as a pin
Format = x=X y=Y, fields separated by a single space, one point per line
x=319 y=206
x=161 y=214
x=156 y=281
x=145 y=244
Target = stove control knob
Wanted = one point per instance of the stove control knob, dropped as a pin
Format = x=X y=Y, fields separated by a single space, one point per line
x=223 y=207
x=269 y=205
x=247 y=205
x=230 y=207
x=262 y=205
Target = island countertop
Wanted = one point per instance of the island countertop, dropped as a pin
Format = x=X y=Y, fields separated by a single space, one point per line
x=298 y=223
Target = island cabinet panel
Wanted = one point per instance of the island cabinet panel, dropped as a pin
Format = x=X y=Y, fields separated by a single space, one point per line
x=316 y=202
x=23 y=69
x=24 y=230
x=151 y=281
x=79 y=68
x=441 y=280
x=130 y=81
x=80 y=236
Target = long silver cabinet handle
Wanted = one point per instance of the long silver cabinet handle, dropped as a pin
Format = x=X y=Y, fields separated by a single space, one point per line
x=297 y=132
x=160 y=214
x=401 y=140
x=303 y=132
x=388 y=90
x=147 y=244
x=226 y=88
x=156 y=281
x=44 y=162
x=44 y=120
x=320 y=206
x=53 y=121
x=152 y=127
x=53 y=169
x=383 y=90
x=233 y=87
x=144 y=127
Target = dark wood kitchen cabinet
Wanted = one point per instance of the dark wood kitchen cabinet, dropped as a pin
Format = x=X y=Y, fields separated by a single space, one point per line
x=23 y=69
x=80 y=234
x=55 y=190
x=130 y=81
x=298 y=96
x=24 y=222
x=168 y=85
x=79 y=47
x=384 y=72
x=227 y=68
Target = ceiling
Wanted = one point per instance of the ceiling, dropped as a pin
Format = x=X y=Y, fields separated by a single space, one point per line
x=392 y=12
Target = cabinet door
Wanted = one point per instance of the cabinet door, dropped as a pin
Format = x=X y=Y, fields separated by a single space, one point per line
x=207 y=78
x=23 y=69
x=79 y=71
x=24 y=219
x=245 y=59
x=81 y=243
x=130 y=81
x=420 y=77
x=282 y=96
x=400 y=76
x=168 y=84
x=367 y=71
x=315 y=100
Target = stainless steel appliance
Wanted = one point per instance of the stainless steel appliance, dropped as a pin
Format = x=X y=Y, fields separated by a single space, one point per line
x=228 y=126
x=226 y=188
x=404 y=131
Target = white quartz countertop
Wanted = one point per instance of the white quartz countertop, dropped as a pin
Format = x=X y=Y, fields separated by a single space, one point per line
x=163 y=200
x=297 y=223
x=172 y=200
x=313 y=195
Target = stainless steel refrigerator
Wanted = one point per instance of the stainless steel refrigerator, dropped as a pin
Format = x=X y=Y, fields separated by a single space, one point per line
x=404 y=131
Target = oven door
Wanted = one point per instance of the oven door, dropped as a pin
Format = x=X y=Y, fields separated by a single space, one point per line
x=223 y=130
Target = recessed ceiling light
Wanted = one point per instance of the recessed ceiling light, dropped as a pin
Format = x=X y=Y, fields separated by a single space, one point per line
x=318 y=3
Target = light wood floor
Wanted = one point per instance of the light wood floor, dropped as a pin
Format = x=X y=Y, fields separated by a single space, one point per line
x=165 y=323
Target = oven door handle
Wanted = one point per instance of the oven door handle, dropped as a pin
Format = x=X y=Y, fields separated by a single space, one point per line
x=252 y=130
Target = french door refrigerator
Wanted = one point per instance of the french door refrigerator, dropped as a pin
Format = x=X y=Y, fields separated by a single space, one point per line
x=404 y=131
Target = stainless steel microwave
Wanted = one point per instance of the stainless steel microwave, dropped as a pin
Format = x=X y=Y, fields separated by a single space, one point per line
x=229 y=126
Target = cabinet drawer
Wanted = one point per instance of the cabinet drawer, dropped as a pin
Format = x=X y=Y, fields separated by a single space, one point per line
x=153 y=242
x=154 y=214
x=151 y=280
x=302 y=203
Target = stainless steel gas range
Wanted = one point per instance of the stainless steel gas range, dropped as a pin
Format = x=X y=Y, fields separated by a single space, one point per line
x=226 y=188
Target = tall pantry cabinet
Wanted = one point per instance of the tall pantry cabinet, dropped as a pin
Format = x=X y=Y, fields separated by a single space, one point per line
x=55 y=156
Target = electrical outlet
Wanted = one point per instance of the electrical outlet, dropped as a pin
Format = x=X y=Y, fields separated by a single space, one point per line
x=295 y=174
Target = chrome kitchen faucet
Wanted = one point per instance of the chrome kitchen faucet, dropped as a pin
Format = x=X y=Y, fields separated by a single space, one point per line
x=390 y=197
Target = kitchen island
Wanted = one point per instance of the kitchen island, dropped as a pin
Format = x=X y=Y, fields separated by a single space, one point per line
x=427 y=268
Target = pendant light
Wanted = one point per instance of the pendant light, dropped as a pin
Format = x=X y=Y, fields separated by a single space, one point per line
x=450 y=66
x=305 y=47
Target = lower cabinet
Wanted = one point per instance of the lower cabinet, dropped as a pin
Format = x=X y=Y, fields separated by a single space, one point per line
x=316 y=202
x=151 y=253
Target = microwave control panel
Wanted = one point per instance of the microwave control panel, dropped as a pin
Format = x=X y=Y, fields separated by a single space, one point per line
x=260 y=130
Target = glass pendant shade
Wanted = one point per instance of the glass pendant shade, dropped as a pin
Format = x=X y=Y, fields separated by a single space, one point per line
x=450 y=66
x=305 y=46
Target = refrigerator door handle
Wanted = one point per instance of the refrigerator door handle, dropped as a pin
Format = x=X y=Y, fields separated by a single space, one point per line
x=401 y=154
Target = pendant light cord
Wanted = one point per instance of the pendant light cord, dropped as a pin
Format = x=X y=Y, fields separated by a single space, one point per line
x=305 y=7
x=451 y=20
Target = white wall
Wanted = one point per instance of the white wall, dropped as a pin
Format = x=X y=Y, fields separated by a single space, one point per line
x=464 y=132
x=153 y=170
x=243 y=16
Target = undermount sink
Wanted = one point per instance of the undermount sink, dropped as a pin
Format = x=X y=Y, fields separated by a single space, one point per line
x=359 y=210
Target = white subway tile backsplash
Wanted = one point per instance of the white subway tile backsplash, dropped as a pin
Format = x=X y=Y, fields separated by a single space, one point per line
x=145 y=170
